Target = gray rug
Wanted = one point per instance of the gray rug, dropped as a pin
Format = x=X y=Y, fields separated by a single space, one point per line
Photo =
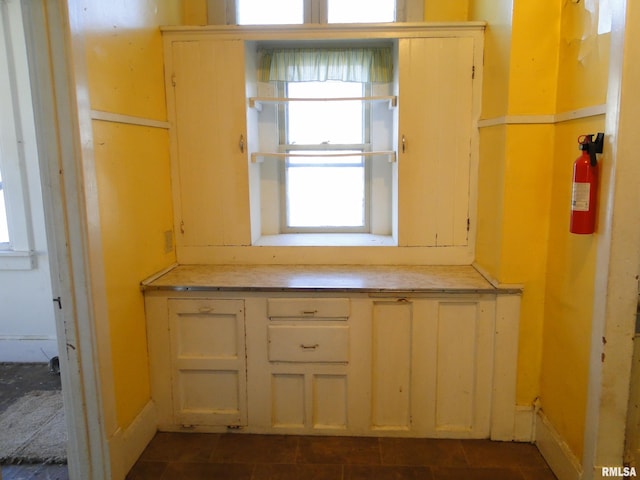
x=33 y=430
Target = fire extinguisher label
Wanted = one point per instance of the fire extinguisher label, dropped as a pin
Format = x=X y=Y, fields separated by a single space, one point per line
x=580 y=197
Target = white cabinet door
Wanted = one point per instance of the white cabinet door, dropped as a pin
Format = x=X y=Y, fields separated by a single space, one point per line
x=431 y=367
x=434 y=130
x=453 y=345
x=212 y=193
x=208 y=361
x=391 y=366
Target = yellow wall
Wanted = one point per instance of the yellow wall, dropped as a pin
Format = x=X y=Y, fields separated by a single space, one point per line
x=541 y=60
x=446 y=10
x=582 y=82
x=568 y=299
x=516 y=163
x=125 y=75
x=497 y=53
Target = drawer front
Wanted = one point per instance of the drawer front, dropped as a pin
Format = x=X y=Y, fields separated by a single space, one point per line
x=289 y=343
x=308 y=308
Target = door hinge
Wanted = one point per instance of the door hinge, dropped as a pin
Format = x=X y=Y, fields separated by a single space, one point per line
x=468 y=224
x=182 y=227
x=473 y=72
x=173 y=79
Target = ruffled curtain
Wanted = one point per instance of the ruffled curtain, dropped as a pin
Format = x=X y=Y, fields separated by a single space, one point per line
x=364 y=65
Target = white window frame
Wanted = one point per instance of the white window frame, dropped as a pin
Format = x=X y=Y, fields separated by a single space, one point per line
x=224 y=12
x=285 y=147
x=15 y=103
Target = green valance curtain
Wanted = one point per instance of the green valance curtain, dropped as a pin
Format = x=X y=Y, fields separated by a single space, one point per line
x=364 y=65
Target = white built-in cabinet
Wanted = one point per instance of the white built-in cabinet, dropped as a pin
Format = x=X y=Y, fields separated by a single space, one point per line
x=346 y=364
x=211 y=85
x=208 y=361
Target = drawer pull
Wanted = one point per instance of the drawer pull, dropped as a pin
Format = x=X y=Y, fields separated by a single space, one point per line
x=205 y=310
x=309 y=347
x=309 y=312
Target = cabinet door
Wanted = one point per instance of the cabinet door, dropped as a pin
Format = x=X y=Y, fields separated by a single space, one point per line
x=208 y=361
x=453 y=367
x=432 y=364
x=435 y=120
x=212 y=197
x=391 y=365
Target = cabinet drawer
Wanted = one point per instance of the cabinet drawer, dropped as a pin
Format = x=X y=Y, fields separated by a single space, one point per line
x=308 y=308
x=308 y=344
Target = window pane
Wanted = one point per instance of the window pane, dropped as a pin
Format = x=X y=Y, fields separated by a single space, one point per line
x=325 y=122
x=361 y=11
x=270 y=12
x=4 y=228
x=325 y=196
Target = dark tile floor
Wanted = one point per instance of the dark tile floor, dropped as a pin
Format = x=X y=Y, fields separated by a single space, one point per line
x=192 y=456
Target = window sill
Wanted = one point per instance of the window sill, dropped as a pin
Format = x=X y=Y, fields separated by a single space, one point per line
x=16 y=260
x=325 y=240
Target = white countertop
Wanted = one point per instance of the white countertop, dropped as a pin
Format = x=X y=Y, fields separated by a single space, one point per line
x=325 y=278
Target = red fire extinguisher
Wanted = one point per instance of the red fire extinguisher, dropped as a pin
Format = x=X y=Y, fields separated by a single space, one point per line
x=585 y=185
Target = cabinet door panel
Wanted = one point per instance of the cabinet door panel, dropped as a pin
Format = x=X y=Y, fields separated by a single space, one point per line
x=459 y=336
x=288 y=400
x=209 y=86
x=435 y=119
x=208 y=361
x=391 y=366
x=330 y=401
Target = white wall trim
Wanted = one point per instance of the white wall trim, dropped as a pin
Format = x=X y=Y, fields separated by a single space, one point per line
x=128 y=119
x=127 y=445
x=18 y=260
x=555 y=451
x=28 y=348
x=544 y=119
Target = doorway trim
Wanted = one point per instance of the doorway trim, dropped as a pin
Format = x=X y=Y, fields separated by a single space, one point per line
x=618 y=254
x=63 y=127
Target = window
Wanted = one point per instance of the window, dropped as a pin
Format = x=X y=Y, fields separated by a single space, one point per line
x=261 y=12
x=326 y=140
x=327 y=192
x=15 y=142
x=4 y=226
x=361 y=11
x=272 y=12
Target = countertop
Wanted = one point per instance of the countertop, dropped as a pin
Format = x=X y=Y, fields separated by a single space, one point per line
x=324 y=278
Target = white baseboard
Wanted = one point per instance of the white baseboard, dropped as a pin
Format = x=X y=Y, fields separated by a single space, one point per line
x=28 y=348
x=555 y=451
x=524 y=425
x=127 y=445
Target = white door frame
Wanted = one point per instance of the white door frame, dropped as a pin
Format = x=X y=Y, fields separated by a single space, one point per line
x=63 y=126
x=618 y=252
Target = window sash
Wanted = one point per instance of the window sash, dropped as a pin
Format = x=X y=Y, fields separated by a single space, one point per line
x=224 y=12
x=286 y=147
x=286 y=224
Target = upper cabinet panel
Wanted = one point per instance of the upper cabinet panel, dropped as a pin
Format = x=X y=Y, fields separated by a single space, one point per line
x=435 y=131
x=212 y=198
